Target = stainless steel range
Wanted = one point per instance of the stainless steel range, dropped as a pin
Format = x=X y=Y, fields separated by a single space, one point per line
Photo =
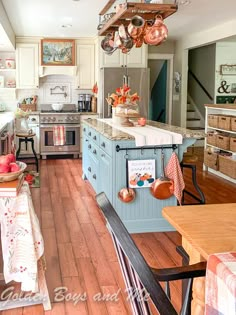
x=69 y=118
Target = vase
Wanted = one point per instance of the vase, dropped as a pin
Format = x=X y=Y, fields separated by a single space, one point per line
x=115 y=119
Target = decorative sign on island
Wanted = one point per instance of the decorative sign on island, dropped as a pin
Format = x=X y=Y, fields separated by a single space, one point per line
x=141 y=173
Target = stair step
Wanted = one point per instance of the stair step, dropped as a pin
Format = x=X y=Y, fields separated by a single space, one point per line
x=193 y=119
x=197 y=128
x=190 y=110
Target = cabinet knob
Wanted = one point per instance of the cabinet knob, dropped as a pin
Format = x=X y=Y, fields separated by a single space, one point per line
x=84 y=129
x=89 y=146
x=103 y=144
x=94 y=176
x=89 y=133
x=86 y=140
x=94 y=138
x=89 y=169
x=102 y=155
x=94 y=152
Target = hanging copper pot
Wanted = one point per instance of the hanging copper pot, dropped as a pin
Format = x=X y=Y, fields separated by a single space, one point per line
x=157 y=33
x=136 y=26
x=126 y=194
x=163 y=187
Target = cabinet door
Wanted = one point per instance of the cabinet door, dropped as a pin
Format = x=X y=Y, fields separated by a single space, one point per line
x=85 y=160
x=137 y=57
x=105 y=175
x=85 y=63
x=109 y=61
x=27 y=61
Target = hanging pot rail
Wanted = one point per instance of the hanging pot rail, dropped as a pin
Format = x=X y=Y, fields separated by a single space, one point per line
x=173 y=147
x=148 y=11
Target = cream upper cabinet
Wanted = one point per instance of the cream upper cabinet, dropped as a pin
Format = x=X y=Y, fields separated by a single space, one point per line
x=27 y=65
x=85 y=64
x=136 y=58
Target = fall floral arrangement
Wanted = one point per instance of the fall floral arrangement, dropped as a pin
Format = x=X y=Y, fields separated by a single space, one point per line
x=122 y=96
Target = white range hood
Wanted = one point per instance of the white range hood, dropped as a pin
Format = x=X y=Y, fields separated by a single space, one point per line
x=57 y=70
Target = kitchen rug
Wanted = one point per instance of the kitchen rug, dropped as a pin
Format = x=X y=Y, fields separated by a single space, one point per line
x=33 y=179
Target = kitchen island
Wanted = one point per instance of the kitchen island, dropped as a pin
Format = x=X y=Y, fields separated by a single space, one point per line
x=105 y=149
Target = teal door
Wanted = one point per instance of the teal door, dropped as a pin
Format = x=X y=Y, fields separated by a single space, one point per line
x=158 y=95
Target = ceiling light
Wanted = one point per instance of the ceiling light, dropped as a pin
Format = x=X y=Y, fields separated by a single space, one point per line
x=184 y=2
x=66 y=25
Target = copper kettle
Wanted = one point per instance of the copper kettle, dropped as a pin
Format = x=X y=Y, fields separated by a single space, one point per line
x=157 y=33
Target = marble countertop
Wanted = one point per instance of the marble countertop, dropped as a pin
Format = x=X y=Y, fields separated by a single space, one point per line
x=112 y=133
x=5 y=118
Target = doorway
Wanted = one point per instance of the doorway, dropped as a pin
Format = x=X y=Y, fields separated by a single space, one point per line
x=161 y=76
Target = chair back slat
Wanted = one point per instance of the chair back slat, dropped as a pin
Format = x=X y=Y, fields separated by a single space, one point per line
x=137 y=274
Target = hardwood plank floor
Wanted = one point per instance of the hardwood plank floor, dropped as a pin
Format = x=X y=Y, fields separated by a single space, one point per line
x=78 y=248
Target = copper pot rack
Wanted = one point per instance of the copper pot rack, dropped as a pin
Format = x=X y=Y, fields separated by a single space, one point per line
x=148 y=11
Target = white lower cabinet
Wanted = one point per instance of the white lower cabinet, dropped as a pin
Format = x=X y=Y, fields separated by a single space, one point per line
x=27 y=65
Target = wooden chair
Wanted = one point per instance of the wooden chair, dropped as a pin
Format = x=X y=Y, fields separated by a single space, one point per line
x=138 y=276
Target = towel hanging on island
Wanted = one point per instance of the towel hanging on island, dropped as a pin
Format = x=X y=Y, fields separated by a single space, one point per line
x=173 y=171
x=59 y=135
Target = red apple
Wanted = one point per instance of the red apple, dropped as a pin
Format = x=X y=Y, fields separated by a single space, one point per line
x=5 y=159
x=11 y=157
x=14 y=167
x=4 y=168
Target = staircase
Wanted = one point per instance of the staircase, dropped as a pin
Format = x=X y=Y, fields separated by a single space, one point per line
x=194 y=122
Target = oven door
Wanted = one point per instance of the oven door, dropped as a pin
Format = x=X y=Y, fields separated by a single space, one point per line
x=71 y=144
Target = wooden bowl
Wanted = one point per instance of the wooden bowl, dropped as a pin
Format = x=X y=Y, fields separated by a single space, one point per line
x=7 y=177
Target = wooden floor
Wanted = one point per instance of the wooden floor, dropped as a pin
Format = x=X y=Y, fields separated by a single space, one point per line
x=78 y=248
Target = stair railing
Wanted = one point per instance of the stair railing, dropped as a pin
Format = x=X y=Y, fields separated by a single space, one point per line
x=200 y=84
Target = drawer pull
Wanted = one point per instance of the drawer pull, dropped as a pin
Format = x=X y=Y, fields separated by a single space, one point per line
x=89 y=169
x=94 y=138
x=94 y=152
x=103 y=155
x=94 y=176
x=86 y=140
x=103 y=144
x=89 y=133
x=89 y=146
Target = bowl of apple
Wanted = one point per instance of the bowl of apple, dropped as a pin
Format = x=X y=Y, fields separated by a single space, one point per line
x=10 y=169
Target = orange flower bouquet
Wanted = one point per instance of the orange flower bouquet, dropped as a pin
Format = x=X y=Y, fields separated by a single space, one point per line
x=122 y=96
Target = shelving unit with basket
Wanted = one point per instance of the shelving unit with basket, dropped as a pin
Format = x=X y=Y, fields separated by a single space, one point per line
x=220 y=143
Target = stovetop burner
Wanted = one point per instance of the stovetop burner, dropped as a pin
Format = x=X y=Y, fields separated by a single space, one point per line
x=67 y=108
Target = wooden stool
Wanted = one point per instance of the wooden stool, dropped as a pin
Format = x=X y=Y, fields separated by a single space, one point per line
x=189 y=161
x=27 y=138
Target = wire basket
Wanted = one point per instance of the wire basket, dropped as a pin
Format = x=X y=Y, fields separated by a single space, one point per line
x=227 y=166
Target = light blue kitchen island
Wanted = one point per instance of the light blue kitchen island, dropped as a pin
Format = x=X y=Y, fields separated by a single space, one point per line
x=104 y=165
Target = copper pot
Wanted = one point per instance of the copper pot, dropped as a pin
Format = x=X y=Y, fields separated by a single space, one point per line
x=157 y=33
x=136 y=26
x=163 y=187
x=126 y=194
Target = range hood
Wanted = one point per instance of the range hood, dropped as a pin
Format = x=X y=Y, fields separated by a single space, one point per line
x=57 y=70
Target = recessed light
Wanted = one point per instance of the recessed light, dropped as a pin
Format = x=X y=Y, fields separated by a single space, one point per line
x=184 y=2
x=66 y=25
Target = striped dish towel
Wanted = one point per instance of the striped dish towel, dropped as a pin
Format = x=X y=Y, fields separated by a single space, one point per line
x=173 y=171
x=220 y=286
x=59 y=135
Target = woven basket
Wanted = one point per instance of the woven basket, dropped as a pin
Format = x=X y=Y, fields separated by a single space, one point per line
x=211 y=138
x=8 y=177
x=211 y=160
x=222 y=141
x=224 y=122
x=232 y=144
x=26 y=107
x=233 y=123
x=213 y=120
x=227 y=166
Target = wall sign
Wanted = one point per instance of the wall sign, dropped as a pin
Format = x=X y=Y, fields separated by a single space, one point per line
x=228 y=69
x=141 y=173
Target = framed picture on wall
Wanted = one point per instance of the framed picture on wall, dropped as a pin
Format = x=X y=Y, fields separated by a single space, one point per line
x=57 y=52
x=228 y=69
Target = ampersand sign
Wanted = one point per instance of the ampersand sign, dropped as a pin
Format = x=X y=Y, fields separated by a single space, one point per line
x=223 y=87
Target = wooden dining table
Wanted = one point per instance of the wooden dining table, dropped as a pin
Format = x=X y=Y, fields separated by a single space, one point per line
x=205 y=230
